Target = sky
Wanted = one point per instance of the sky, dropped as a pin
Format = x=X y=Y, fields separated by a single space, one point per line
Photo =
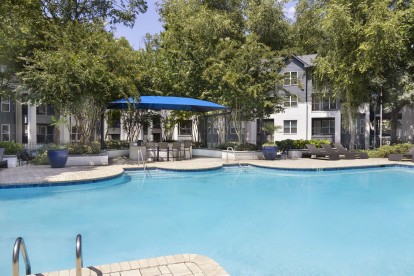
x=149 y=22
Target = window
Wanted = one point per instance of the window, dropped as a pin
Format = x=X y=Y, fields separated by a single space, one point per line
x=290 y=78
x=74 y=134
x=5 y=133
x=290 y=127
x=323 y=126
x=186 y=127
x=291 y=101
x=5 y=105
x=44 y=109
x=323 y=103
x=362 y=126
x=41 y=109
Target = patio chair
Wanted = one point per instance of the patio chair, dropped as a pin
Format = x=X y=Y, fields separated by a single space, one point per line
x=187 y=147
x=402 y=156
x=3 y=163
x=314 y=151
x=410 y=153
x=163 y=147
x=330 y=150
x=349 y=154
x=176 y=151
x=150 y=151
x=24 y=156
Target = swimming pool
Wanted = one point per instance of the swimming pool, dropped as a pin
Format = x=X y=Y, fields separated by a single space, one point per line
x=252 y=222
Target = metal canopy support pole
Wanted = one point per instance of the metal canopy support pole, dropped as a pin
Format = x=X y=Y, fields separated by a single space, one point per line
x=103 y=128
x=205 y=129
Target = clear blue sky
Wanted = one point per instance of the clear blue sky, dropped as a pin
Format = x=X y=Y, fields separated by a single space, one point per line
x=149 y=22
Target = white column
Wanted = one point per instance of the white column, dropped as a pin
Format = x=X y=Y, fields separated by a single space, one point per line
x=338 y=127
x=31 y=128
x=64 y=132
x=122 y=134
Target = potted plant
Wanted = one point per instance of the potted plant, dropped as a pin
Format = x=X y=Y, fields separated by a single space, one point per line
x=11 y=151
x=57 y=156
x=269 y=151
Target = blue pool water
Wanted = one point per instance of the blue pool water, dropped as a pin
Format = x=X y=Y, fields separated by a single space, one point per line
x=257 y=222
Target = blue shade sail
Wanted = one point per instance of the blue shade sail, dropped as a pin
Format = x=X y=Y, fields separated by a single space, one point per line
x=166 y=103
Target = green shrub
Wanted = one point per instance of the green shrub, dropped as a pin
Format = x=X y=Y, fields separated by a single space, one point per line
x=288 y=144
x=117 y=144
x=384 y=151
x=41 y=155
x=11 y=148
x=238 y=147
x=79 y=148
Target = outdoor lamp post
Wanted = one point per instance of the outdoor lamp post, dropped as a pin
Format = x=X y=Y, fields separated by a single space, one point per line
x=375 y=97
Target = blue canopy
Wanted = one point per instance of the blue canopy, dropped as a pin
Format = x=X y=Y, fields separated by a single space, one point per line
x=166 y=103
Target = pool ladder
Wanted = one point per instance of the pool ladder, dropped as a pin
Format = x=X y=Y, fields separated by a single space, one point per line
x=235 y=158
x=20 y=246
x=144 y=165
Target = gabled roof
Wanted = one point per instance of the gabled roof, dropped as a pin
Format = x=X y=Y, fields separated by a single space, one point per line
x=307 y=60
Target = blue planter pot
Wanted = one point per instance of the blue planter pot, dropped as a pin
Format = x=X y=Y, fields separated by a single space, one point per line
x=57 y=158
x=269 y=152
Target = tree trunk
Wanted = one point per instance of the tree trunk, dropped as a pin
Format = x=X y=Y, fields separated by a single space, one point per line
x=350 y=123
x=259 y=127
x=394 y=125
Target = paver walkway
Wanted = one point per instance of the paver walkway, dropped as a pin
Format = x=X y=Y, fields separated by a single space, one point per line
x=177 y=265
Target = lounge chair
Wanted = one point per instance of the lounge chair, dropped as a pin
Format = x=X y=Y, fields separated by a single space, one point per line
x=410 y=154
x=400 y=156
x=314 y=151
x=3 y=163
x=350 y=154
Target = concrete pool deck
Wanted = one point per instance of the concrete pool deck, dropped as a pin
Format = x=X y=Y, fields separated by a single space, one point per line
x=185 y=264
x=45 y=174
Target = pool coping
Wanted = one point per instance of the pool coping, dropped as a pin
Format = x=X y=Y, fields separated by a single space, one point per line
x=180 y=264
x=57 y=183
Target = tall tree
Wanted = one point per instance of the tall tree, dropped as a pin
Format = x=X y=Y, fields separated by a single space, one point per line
x=308 y=35
x=245 y=77
x=338 y=70
x=387 y=55
x=120 y=11
x=80 y=81
x=266 y=19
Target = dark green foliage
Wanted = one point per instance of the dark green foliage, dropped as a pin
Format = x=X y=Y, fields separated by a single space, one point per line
x=117 y=144
x=80 y=148
x=11 y=148
x=289 y=144
x=239 y=147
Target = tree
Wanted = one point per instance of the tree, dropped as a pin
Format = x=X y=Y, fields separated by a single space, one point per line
x=245 y=77
x=120 y=11
x=80 y=81
x=338 y=69
x=308 y=36
x=266 y=19
x=20 y=22
x=387 y=55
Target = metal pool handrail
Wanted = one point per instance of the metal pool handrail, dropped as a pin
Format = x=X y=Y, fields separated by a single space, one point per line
x=235 y=158
x=79 y=258
x=20 y=245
